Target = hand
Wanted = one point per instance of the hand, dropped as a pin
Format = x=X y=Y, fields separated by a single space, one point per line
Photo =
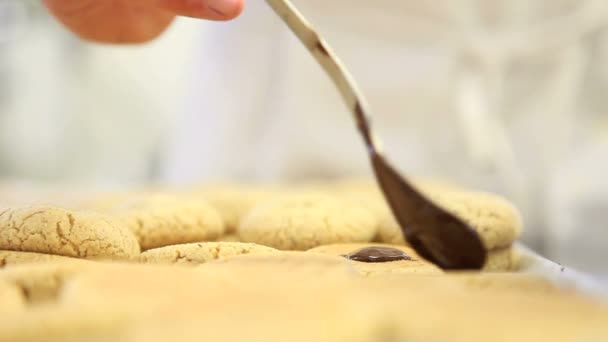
x=135 y=21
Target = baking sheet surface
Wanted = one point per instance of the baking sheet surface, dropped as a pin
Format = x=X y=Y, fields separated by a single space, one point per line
x=531 y=262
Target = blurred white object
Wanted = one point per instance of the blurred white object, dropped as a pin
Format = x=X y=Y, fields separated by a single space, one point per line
x=13 y=19
x=577 y=210
x=77 y=112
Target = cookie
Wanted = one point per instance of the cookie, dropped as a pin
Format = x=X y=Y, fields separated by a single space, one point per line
x=181 y=293
x=160 y=302
x=9 y=258
x=229 y=238
x=304 y=221
x=233 y=202
x=497 y=221
x=284 y=266
x=41 y=283
x=209 y=301
x=11 y=298
x=163 y=220
x=469 y=314
x=50 y=230
x=508 y=282
x=494 y=218
x=500 y=260
x=199 y=253
x=415 y=264
x=248 y=292
x=56 y=323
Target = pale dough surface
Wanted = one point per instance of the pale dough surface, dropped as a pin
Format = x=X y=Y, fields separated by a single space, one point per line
x=303 y=296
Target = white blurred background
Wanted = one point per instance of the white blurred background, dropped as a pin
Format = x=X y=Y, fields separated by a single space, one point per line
x=507 y=96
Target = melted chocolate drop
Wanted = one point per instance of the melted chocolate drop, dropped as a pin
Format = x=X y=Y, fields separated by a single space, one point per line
x=378 y=254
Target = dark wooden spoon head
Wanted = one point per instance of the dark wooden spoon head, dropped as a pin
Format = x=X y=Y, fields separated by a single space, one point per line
x=435 y=234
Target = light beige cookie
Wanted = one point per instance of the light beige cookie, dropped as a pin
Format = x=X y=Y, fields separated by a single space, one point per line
x=181 y=293
x=289 y=266
x=233 y=202
x=497 y=220
x=53 y=323
x=468 y=313
x=500 y=260
x=58 y=231
x=266 y=296
x=304 y=221
x=199 y=253
x=9 y=258
x=508 y=282
x=229 y=238
x=416 y=265
x=11 y=299
x=163 y=220
x=158 y=302
x=494 y=218
x=250 y=292
x=40 y=283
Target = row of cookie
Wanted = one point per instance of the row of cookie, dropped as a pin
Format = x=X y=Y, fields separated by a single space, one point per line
x=201 y=253
x=356 y=212
x=113 y=226
x=293 y=219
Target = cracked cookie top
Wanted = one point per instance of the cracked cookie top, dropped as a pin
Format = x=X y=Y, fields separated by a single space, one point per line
x=45 y=229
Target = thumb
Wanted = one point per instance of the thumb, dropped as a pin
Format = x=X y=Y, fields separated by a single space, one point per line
x=204 y=9
x=133 y=21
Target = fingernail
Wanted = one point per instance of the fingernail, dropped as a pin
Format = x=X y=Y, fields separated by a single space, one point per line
x=225 y=8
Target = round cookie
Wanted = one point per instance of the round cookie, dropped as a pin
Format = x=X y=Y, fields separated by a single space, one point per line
x=293 y=267
x=249 y=292
x=199 y=253
x=495 y=219
x=163 y=220
x=469 y=314
x=416 y=265
x=9 y=258
x=233 y=202
x=11 y=298
x=157 y=302
x=229 y=238
x=500 y=260
x=56 y=323
x=304 y=221
x=509 y=282
x=44 y=229
x=40 y=283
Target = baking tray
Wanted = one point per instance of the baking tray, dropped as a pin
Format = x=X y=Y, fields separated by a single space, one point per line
x=532 y=263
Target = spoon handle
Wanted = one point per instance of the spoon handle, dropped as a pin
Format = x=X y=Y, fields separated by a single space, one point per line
x=332 y=65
